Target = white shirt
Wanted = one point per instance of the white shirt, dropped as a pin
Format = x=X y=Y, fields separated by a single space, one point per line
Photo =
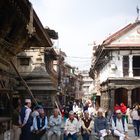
x=91 y=111
x=75 y=108
x=27 y=114
x=35 y=113
x=71 y=127
x=119 y=125
x=35 y=127
x=134 y=115
x=55 y=123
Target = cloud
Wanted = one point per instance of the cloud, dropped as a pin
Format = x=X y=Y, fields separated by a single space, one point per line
x=80 y=22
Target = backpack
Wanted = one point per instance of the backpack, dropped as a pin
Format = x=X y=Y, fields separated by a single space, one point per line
x=123 y=121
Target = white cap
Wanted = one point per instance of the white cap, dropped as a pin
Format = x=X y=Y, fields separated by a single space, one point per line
x=100 y=110
x=27 y=100
x=118 y=111
x=71 y=112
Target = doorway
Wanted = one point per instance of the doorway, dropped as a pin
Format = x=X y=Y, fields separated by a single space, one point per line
x=135 y=98
x=121 y=96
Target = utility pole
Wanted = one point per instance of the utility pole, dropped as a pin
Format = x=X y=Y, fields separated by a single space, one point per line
x=138 y=10
x=24 y=83
x=59 y=71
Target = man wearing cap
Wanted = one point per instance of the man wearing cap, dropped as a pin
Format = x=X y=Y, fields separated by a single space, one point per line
x=36 y=110
x=71 y=127
x=55 y=122
x=101 y=125
x=119 y=126
x=40 y=125
x=25 y=120
x=87 y=126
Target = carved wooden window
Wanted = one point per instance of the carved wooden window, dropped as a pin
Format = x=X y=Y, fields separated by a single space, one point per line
x=136 y=65
x=24 y=61
x=125 y=65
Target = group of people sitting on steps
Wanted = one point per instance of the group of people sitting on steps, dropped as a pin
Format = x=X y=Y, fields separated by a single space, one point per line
x=37 y=126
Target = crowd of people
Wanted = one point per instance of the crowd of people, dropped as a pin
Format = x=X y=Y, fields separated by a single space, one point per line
x=78 y=120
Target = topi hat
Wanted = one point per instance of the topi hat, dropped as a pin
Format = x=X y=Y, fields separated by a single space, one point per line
x=27 y=100
x=71 y=112
x=118 y=111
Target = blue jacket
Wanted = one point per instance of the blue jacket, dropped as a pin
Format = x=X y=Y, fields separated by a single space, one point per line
x=100 y=123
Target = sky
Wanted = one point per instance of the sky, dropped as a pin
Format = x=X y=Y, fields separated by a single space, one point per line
x=80 y=23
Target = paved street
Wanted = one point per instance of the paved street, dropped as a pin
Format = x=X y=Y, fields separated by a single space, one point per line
x=131 y=133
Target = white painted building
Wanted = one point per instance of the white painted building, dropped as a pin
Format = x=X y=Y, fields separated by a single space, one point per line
x=116 y=67
x=88 y=84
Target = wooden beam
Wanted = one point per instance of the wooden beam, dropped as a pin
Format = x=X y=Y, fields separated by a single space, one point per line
x=24 y=83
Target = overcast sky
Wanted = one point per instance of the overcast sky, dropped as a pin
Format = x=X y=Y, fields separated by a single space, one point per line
x=81 y=22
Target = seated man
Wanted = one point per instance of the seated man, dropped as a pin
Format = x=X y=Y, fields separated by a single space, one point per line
x=40 y=125
x=101 y=125
x=87 y=126
x=55 y=122
x=71 y=127
x=119 y=126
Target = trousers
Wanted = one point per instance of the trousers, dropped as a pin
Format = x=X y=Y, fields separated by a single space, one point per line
x=73 y=137
x=16 y=132
x=25 y=133
x=51 y=134
x=118 y=133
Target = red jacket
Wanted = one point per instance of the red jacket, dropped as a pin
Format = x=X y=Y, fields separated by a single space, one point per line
x=117 y=107
x=123 y=108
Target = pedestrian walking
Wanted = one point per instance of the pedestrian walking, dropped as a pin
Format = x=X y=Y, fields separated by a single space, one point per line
x=123 y=108
x=116 y=107
x=40 y=125
x=136 y=120
x=55 y=122
x=91 y=110
x=119 y=126
x=15 y=123
x=71 y=127
x=63 y=110
x=129 y=120
x=25 y=120
x=101 y=125
x=86 y=106
x=75 y=107
x=87 y=126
